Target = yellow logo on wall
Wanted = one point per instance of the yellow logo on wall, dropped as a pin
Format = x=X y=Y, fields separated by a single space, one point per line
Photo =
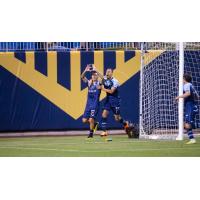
x=70 y=101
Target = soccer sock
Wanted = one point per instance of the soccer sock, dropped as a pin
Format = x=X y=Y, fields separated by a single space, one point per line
x=190 y=134
x=95 y=123
x=104 y=123
x=122 y=121
x=91 y=133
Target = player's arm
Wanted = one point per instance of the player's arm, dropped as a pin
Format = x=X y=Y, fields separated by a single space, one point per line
x=185 y=95
x=110 y=91
x=99 y=87
x=83 y=74
x=99 y=74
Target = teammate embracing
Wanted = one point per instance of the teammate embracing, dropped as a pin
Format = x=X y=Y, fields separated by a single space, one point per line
x=190 y=107
x=92 y=105
x=110 y=85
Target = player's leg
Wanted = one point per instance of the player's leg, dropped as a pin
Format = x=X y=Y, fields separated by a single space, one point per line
x=189 y=123
x=189 y=130
x=92 y=121
x=104 y=117
x=96 y=123
x=129 y=127
x=86 y=116
x=119 y=119
x=190 y=133
x=116 y=111
x=125 y=124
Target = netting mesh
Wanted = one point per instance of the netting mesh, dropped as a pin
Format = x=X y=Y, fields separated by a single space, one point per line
x=159 y=87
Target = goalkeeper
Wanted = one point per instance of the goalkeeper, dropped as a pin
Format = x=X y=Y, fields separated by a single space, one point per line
x=190 y=96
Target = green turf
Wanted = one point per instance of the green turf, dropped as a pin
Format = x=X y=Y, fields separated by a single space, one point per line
x=78 y=146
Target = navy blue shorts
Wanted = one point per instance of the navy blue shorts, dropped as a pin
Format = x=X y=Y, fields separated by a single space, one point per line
x=112 y=105
x=190 y=111
x=90 y=112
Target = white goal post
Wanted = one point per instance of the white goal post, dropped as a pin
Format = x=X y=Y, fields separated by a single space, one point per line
x=161 y=80
x=180 y=102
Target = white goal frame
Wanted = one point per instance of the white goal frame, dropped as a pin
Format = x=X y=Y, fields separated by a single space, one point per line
x=180 y=132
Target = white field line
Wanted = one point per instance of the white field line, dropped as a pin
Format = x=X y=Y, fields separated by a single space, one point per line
x=60 y=143
x=83 y=142
x=36 y=148
x=95 y=151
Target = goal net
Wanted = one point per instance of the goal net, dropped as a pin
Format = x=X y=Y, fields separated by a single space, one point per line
x=159 y=85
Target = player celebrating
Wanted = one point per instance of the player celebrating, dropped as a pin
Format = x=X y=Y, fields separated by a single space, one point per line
x=92 y=105
x=112 y=103
x=190 y=106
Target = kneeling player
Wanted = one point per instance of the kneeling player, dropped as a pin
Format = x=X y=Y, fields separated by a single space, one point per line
x=92 y=105
x=112 y=102
x=190 y=106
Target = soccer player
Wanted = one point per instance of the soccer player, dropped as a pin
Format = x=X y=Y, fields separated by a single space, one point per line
x=190 y=107
x=110 y=85
x=92 y=105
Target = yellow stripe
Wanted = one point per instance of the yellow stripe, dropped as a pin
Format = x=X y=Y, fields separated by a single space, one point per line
x=99 y=63
x=30 y=59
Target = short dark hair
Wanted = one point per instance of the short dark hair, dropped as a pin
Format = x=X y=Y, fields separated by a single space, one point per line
x=187 y=77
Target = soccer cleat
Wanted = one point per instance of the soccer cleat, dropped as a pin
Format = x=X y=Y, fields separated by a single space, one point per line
x=192 y=141
x=126 y=126
x=89 y=139
x=104 y=134
x=90 y=135
x=108 y=139
x=96 y=126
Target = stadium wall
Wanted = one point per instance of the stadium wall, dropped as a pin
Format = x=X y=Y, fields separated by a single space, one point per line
x=43 y=90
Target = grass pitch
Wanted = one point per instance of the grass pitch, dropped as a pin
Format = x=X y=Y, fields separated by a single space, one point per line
x=78 y=146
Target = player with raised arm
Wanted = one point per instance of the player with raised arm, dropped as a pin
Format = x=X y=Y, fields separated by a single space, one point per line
x=110 y=85
x=92 y=105
x=190 y=107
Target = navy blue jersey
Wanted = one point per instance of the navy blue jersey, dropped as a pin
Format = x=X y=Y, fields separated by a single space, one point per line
x=188 y=87
x=110 y=83
x=93 y=94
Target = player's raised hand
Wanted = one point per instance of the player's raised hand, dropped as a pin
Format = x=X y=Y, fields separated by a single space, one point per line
x=99 y=87
x=94 y=68
x=87 y=69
